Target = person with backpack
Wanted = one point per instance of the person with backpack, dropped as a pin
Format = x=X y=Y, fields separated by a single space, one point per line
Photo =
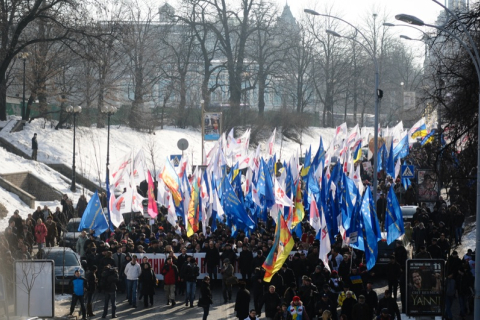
x=189 y=274
x=148 y=282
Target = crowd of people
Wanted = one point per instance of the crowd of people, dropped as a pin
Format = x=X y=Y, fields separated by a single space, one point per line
x=304 y=288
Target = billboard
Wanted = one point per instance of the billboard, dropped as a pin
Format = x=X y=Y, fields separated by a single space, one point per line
x=427 y=185
x=425 y=287
x=212 y=127
x=35 y=288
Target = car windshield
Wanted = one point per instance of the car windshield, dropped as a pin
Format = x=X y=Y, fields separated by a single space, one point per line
x=57 y=257
x=72 y=226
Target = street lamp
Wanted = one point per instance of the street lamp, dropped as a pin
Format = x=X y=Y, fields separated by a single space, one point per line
x=202 y=103
x=24 y=56
x=109 y=111
x=371 y=51
x=74 y=110
x=472 y=51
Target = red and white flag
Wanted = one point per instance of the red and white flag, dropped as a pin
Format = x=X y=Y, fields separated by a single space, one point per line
x=271 y=143
x=116 y=218
x=314 y=215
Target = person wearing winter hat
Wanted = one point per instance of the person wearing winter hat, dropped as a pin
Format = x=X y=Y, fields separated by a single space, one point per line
x=297 y=310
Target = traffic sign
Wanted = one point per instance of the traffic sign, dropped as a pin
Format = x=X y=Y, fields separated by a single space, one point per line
x=182 y=144
x=175 y=159
x=408 y=171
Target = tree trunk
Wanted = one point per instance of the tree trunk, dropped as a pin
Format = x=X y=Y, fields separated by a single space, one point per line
x=261 y=94
x=3 y=97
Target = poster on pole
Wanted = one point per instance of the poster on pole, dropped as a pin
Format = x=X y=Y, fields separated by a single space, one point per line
x=425 y=287
x=427 y=185
x=212 y=126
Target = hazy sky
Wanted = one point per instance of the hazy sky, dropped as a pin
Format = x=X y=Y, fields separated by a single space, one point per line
x=353 y=10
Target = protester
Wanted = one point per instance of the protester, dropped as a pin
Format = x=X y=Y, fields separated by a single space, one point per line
x=132 y=272
x=78 y=285
x=205 y=297
x=110 y=278
x=170 y=274
x=242 y=302
x=148 y=281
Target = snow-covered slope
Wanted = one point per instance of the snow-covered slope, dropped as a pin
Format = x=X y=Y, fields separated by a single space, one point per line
x=56 y=146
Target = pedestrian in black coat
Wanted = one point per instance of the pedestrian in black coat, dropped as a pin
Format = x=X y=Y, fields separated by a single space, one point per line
x=212 y=260
x=348 y=303
x=272 y=302
x=390 y=303
x=205 y=297
x=148 y=281
x=242 y=303
x=245 y=264
x=324 y=303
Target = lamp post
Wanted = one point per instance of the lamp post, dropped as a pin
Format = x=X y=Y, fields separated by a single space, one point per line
x=109 y=111
x=370 y=50
x=472 y=51
x=74 y=110
x=24 y=56
x=202 y=103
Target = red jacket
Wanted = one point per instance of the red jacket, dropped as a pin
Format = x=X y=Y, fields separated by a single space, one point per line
x=170 y=274
x=40 y=232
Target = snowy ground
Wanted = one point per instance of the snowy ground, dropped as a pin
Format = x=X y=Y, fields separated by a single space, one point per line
x=55 y=146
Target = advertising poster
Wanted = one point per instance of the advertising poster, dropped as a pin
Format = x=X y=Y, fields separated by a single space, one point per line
x=427 y=185
x=212 y=126
x=425 y=288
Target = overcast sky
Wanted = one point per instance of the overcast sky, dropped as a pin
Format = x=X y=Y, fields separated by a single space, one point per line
x=354 y=10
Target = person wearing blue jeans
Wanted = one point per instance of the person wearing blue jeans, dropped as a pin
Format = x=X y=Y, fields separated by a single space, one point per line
x=189 y=274
x=132 y=272
x=191 y=289
x=110 y=279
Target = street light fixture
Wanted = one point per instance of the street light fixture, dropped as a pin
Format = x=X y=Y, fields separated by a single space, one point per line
x=407 y=37
x=74 y=110
x=472 y=51
x=371 y=51
x=109 y=111
x=24 y=56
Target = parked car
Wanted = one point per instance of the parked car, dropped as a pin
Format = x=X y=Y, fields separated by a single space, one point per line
x=408 y=212
x=71 y=234
x=66 y=262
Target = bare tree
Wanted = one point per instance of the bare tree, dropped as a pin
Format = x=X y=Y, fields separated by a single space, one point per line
x=18 y=19
x=28 y=275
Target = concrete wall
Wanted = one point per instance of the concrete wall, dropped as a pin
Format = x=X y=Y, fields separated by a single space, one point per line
x=67 y=172
x=32 y=185
x=24 y=196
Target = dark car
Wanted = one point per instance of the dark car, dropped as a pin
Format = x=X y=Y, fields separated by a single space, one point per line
x=66 y=262
x=71 y=233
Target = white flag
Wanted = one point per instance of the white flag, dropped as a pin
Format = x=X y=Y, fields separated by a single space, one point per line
x=397 y=168
x=324 y=241
x=139 y=172
x=172 y=215
x=271 y=143
x=314 y=215
x=116 y=217
x=280 y=196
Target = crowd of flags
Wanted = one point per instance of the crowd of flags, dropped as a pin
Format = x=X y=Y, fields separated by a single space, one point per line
x=241 y=187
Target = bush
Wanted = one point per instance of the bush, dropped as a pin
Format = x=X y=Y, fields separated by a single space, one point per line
x=3 y=211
